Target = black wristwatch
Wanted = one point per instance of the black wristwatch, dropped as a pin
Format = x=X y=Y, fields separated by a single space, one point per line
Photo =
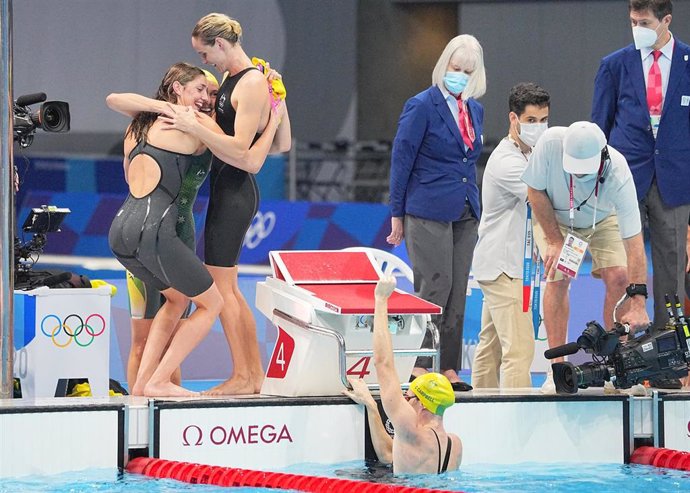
x=635 y=289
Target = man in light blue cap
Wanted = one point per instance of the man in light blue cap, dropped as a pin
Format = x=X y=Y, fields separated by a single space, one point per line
x=581 y=188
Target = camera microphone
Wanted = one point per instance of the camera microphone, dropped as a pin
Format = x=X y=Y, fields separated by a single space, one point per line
x=560 y=351
x=29 y=99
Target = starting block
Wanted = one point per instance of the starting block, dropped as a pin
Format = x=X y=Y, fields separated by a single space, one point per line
x=322 y=303
x=62 y=334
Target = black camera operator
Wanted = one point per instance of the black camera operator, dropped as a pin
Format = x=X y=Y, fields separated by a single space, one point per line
x=655 y=354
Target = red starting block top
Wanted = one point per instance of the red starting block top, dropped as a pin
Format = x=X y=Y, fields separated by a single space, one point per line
x=359 y=299
x=324 y=266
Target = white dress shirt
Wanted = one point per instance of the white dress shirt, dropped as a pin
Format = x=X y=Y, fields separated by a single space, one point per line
x=501 y=241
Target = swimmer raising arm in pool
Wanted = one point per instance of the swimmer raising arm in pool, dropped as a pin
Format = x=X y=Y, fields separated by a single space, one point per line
x=421 y=444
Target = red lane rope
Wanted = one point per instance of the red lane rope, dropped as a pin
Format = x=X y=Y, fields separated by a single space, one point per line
x=230 y=476
x=661 y=457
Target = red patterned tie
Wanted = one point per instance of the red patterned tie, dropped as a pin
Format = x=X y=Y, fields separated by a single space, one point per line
x=465 y=124
x=654 y=97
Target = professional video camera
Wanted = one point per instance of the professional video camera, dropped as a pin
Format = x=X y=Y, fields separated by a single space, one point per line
x=41 y=220
x=52 y=116
x=652 y=355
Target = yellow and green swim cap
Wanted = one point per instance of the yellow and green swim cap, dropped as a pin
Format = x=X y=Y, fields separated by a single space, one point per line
x=434 y=391
x=210 y=77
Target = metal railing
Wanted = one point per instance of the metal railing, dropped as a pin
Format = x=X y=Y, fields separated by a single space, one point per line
x=339 y=171
x=343 y=352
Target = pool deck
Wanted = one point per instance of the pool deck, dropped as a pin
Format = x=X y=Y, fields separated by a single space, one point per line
x=53 y=435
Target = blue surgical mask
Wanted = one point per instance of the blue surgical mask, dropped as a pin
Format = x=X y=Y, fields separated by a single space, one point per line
x=455 y=82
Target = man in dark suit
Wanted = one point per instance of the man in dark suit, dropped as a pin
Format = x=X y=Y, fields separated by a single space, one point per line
x=642 y=103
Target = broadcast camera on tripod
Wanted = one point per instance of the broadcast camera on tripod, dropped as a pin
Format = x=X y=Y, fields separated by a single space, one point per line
x=652 y=355
x=40 y=221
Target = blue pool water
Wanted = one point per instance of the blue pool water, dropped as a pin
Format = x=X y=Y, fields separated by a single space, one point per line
x=533 y=478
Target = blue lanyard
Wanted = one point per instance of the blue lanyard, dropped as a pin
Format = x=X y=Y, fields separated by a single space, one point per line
x=536 y=295
x=527 y=261
x=531 y=274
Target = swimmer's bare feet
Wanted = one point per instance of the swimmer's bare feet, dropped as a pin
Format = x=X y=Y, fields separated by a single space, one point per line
x=236 y=385
x=167 y=389
x=137 y=389
x=258 y=382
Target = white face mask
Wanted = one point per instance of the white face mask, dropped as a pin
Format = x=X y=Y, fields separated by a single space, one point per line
x=530 y=132
x=644 y=37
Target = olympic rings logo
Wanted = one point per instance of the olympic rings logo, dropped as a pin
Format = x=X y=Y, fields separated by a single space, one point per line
x=83 y=329
x=260 y=228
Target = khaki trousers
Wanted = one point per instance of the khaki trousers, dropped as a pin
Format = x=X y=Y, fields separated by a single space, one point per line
x=506 y=341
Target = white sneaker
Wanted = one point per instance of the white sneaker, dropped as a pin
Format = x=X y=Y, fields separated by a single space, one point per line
x=549 y=386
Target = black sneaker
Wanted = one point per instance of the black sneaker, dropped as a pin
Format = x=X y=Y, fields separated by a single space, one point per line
x=461 y=386
x=666 y=383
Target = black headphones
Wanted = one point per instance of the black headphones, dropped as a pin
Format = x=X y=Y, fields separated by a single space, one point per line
x=605 y=163
x=604 y=166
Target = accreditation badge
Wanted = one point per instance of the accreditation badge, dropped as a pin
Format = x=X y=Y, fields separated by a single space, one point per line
x=654 y=120
x=571 y=255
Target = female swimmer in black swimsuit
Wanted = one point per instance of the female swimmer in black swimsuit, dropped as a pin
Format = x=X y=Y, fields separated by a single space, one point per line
x=144 y=300
x=143 y=235
x=242 y=109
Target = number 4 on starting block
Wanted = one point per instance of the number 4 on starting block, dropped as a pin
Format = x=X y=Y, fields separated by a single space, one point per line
x=282 y=355
x=364 y=364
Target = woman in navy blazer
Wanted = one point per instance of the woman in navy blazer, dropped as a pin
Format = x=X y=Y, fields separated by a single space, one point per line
x=434 y=198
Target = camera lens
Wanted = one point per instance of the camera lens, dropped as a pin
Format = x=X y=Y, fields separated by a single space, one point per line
x=51 y=118
x=568 y=377
x=54 y=116
x=564 y=378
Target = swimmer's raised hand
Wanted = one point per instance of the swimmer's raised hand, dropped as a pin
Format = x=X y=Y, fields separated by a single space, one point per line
x=385 y=287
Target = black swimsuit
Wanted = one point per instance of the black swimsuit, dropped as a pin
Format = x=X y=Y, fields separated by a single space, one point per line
x=447 y=457
x=143 y=235
x=234 y=196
